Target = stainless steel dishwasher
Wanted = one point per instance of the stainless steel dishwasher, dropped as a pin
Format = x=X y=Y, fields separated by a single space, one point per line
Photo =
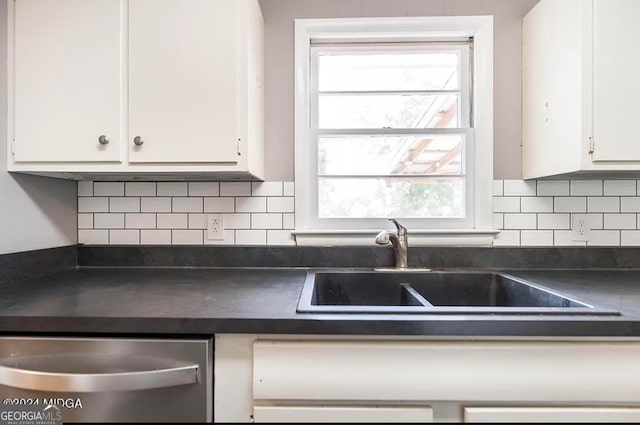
x=110 y=380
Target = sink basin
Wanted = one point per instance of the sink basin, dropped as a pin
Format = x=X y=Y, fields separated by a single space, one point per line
x=448 y=292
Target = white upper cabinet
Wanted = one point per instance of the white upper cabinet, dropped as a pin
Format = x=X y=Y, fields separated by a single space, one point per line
x=175 y=87
x=67 y=88
x=580 y=87
x=182 y=81
x=616 y=80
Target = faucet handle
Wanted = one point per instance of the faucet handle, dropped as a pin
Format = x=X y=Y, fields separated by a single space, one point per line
x=402 y=231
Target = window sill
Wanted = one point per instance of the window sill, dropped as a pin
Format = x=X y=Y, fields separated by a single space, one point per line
x=440 y=237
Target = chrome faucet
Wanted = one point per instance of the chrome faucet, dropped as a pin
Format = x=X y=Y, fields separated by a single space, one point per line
x=398 y=240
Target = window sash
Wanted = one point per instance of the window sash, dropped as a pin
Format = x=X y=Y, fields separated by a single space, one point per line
x=314 y=221
x=464 y=111
x=464 y=92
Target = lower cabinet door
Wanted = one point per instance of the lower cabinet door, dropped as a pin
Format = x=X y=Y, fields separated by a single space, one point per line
x=551 y=414
x=341 y=414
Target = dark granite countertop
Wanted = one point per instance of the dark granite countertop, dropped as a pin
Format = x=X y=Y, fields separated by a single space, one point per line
x=202 y=301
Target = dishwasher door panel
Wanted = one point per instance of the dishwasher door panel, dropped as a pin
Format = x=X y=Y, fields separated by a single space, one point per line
x=110 y=380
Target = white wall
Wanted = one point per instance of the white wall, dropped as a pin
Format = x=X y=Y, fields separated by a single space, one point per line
x=279 y=16
x=35 y=212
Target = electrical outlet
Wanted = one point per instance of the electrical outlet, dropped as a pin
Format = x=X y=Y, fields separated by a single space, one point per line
x=215 y=227
x=580 y=228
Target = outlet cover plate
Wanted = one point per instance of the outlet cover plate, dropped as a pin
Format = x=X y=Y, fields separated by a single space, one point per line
x=580 y=227
x=215 y=227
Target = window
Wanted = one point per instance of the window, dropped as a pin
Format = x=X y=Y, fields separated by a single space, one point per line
x=385 y=128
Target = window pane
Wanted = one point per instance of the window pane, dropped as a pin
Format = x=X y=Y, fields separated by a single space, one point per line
x=380 y=155
x=395 y=111
x=390 y=197
x=436 y=70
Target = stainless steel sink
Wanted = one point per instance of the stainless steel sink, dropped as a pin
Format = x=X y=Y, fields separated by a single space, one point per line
x=449 y=292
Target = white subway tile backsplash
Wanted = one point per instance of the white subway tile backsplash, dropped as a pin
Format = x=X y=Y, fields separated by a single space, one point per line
x=284 y=204
x=235 y=189
x=604 y=238
x=187 y=205
x=507 y=238
x=266 y=221
x=619 y=221
x=93 y=237
x=85 y=221
x=124 y=237
x=603 y=204
x=123 y=204
x=187 y=237
x=155 y=237
x=280 y=237
x=140 y=221
x=288 y=221
x=266 y=189
x=229 y=238
x=86 y=204
x=158 y=204
x=172 y=189
x=108 y=221
x=536 y=204
x=520 y=221
x=519 y=188
x=564 y=238
x=171 y=221
x=197 y=221
x=108 y=188
x=498 y=221
x=553 y=187
x=506 y=204
x=570 y=204
x=85 y=188
x=219 y=205
x=527 y=213
x=140 y=189
x=251 y=237
x=554 y=221
x=204 y=189
x=619 y=188
x=586 y=188
x=595 y=221
x=249 y=204
x=498 y=187
x=630 y=238
x=536 y=237
x=237 y=221
x=629 y=204
x=289 y=189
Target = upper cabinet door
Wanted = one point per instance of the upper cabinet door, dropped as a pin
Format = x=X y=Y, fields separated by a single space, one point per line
x=67 y=89
x=616 y=86
x=182 y=81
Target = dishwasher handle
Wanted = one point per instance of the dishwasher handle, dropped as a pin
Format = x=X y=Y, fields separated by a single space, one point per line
x=29 y=379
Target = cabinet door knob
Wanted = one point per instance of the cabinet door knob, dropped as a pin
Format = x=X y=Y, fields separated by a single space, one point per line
x=103 y=140
x=138 y=141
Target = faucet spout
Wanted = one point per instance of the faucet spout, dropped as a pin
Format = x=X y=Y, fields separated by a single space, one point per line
x=399 y=242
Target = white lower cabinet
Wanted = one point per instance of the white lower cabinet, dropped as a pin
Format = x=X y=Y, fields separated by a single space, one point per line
x=341 y=414
x=551 y=414
x=304 y=378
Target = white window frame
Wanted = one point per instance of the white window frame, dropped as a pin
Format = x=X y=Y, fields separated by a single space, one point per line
x=476 y=228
